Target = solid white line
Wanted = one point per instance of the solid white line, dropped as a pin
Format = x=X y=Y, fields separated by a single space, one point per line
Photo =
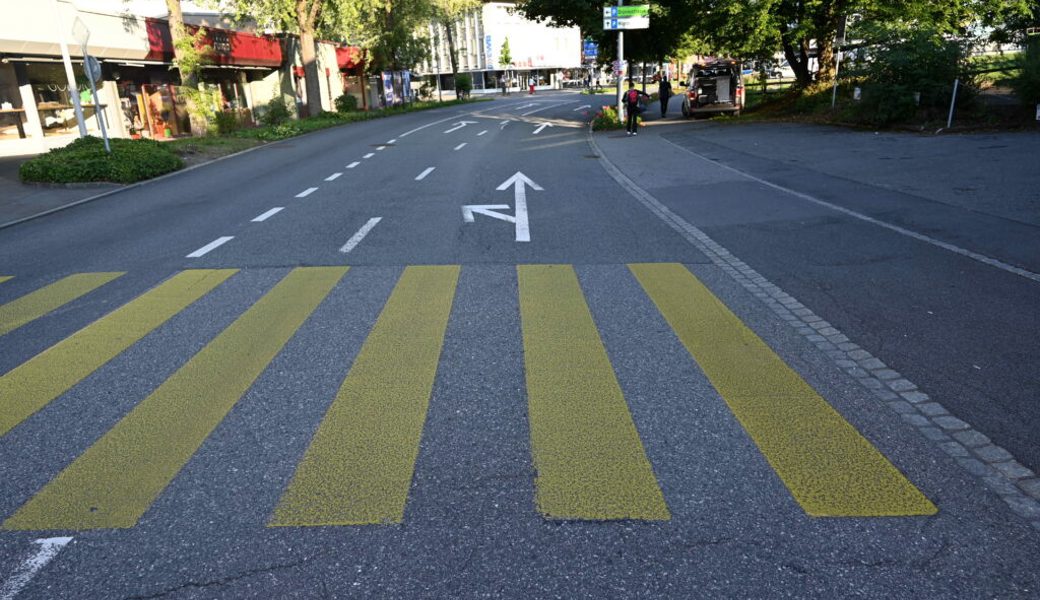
x=306 y=192
x=333 y=177
x=425 y=173
x=210 y=246
x=353 y=164
x=267 y=215
x=49 y=548
x=459 y=147
x=391 y=142
x=982 y=258
x=369 y=155
x=482 y=133
x=531 y=112
x=360 y=235
x=410 y=132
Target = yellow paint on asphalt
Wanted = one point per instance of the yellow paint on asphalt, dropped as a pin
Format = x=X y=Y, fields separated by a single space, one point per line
x=32 y=385
x=4 y=278
x=115 y=481
x=590 y=461
x=829 y=468
x=34 y=305
x=358 y=468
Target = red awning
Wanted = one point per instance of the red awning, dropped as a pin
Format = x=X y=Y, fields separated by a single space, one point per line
x=231 y=48
x=349 y=57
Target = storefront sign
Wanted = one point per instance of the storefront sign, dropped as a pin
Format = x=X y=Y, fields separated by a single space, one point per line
x=388 y=88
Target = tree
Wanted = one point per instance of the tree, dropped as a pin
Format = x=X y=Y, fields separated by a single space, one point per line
x=185 y=52
x=505 y=56
x=447 y=12
x=386 y=28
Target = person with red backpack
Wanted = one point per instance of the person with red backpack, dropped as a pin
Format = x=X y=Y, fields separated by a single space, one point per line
x=632 y=108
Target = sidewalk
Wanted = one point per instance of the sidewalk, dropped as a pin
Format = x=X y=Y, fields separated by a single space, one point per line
x=19 y=201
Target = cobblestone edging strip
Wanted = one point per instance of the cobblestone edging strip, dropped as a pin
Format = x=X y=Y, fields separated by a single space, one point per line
x=1015 y=484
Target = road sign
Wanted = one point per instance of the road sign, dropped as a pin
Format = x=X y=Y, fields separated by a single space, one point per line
x=92 y=68
x=626 y=17
x=590 y=50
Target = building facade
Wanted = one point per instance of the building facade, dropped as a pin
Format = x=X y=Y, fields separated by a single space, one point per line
x=538 y=51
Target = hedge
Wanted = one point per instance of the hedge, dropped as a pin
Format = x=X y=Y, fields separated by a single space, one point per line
x=85 y=160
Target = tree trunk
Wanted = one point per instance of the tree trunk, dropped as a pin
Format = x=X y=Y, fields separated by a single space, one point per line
x=799 y=61
x=307 y=12
x=831 y=25
x=178 y=35
x=451 y=56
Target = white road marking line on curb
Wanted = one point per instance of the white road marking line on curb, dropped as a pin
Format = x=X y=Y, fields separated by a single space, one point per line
x=369 y=155
x=333 y=177
x=410 y=132
x=306 y=192
x=49 y=548
x=982 y=258
x=267 y=215
x=360 y=235
x=391 y=142
x=482 y=133
x=353 y=164
x=459 y=147
x=220 y=241
x=425 y=173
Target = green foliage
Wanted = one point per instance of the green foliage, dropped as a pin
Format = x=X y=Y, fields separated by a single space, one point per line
x=346 y=103
x=463 y=83
x=85 y=160
x=1027 y=83
x=226 y=122
x=505 y=56
x=190 y=55
x=606 y=120
x=276 y=112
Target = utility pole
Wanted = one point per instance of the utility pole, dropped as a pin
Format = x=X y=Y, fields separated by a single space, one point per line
x=621 y=68
x=840 y=42
x=69 y=75
x=434 y=30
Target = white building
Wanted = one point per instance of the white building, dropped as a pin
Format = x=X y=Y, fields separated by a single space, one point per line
x=537 y=50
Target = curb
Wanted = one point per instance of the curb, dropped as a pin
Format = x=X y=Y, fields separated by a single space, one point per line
x=993 y=466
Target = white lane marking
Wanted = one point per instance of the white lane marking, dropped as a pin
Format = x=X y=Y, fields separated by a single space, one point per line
x=982 y=258
x=267 y=215
x=519 y=181
x=380 y=148
x=425 y=173
x=541 y=127
x=306 y=192
x=353 y=164
x=438 y=122
x=482 y=133
x=369 y=155
x=488 y=210
x=333 y=177
x=583 y=106
x=459 y=125
x=503 y=124
x=460 y=146
x=49 y=548
x=531 y=112
x=360 y=235
x=220 y=241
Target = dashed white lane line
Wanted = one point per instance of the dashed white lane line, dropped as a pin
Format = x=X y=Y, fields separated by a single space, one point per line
x=353 y=164
x=425 y=173
x=267 y=215
x=369 y=155
x=306 y=192
x=420 y=128
x=49 y=548
x=380 y=148
x=460 y=146
x=482 y=133
x=391 y=142
x=503 y=124
x=531 y=112
x=220 y=241
x=333 y=177
x=360 y=235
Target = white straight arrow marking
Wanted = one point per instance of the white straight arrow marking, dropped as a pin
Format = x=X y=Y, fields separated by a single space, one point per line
x=541 y=127
x=460 y=125
x=488 y=210
x=519 y=181
x=49 y=548
x=360 y=235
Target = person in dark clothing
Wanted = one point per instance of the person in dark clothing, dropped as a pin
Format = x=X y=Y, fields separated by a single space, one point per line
x=664 y=92
x=631 y=102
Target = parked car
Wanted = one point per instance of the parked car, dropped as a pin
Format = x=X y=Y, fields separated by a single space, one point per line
x=714 y=87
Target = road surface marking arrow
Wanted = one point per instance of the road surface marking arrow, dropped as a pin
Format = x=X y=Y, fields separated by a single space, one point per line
x=460 y=125
x=584 y=106
x=488 y=210
x=519 y=181
x=503 y=124
x=541 y=127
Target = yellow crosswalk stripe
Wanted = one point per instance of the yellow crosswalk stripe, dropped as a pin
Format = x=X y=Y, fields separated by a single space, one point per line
x=115 y=481
x=358 y=468
x=34 y=305
x=829 y=468
x=32 y=385
x=590 y=461
x=4 y=278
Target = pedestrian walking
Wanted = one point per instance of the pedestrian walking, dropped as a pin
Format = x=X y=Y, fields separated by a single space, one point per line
x=530 y=85
x=664 y=93
x=632 y=108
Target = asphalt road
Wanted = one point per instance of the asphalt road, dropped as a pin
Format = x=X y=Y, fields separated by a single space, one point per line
x=645 y=392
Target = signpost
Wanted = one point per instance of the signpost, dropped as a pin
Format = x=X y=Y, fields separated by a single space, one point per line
x=619 y=18
x=92 y=69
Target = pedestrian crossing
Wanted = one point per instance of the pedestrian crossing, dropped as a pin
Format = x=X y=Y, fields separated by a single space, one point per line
x=589 y=461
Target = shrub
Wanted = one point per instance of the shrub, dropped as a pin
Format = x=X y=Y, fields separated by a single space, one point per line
x=1027 y=84
x=85 y=160
x=463 y=84
x=277 y=112
x=346 y=103
x=606 y=119
x=226 y=122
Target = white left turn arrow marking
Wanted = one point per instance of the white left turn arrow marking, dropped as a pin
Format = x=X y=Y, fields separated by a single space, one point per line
x=488 y=210
x=460 y=125
x=541 y=127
